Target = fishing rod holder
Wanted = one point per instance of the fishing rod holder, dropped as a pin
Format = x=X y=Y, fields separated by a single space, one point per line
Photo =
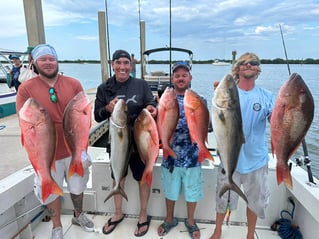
x=305 y=161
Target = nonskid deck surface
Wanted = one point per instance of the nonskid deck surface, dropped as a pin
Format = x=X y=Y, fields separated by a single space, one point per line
x=127 y=227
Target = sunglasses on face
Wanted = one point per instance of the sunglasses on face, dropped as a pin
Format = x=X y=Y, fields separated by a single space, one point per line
x=53 y=97
x=252 y=63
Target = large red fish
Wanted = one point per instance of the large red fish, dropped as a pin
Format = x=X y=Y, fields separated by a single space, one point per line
x=38 y=136
x=290 y=120
x=167 y=119
x=197 y=116
x=147 y=141
x=77 y=121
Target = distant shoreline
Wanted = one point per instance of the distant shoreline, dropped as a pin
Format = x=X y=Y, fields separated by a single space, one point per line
x=263 y=61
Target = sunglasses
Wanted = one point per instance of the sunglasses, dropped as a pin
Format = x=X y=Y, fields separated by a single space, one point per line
x=252 y=63
x=53 y=97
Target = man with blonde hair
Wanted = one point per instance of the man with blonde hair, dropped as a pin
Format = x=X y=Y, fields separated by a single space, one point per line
x=252 y=168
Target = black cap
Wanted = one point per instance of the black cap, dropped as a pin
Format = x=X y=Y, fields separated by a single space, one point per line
x=183 y=64
x=11 y=57
x=121 y=53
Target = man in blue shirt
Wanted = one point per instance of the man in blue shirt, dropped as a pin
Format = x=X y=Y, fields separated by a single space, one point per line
x=256 y=105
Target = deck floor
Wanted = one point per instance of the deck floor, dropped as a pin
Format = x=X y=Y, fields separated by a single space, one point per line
x=127 y=227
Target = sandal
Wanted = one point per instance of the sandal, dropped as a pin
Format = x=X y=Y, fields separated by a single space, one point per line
x=139 y=225
x=167 y=226
x=110 y=223
x=191 y=228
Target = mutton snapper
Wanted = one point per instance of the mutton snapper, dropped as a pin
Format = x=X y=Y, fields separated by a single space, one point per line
x=167 y=119
x=119 y=132
x=38 y=136
x=147 y=142
x=197 y=117
x=77 y=120
x=290 y=120
x=227 y=126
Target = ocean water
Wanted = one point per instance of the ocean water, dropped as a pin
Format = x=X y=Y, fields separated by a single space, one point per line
x=272 y=77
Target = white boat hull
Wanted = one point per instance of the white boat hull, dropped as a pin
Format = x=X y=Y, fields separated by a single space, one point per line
x=17 y=191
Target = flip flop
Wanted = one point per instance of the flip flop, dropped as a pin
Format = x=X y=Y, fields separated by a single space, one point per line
x=110 y=223
x=167 y=226
x=139 y=225
x=191 y=228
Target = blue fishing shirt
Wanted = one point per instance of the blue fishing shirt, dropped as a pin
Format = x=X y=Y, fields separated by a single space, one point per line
x=256 y=107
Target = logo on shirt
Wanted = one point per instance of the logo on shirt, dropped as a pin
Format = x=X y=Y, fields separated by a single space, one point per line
x=131 y=99
x=257 y=107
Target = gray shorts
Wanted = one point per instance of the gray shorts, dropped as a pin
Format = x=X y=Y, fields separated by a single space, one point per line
x=255 y=187
x=76 y=184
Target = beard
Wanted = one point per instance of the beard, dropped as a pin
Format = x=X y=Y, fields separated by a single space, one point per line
x=49 y=76
x=250 y=74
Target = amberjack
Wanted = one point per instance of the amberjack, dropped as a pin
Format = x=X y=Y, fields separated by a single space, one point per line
x=119 y=133
x=228 y=130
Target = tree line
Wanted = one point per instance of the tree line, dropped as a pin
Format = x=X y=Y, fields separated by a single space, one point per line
x=263 y=61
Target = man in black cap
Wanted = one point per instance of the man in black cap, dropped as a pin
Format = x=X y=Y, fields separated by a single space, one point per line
x=137 y=96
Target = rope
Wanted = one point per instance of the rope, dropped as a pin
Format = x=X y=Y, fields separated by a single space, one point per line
x=284 y=226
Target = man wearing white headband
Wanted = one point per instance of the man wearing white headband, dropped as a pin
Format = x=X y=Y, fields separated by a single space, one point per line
x=53 y=92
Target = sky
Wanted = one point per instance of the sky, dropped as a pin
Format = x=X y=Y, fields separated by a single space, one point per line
x=211 y=29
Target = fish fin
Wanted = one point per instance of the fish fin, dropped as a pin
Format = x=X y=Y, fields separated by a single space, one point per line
x=283 y=175
x=232 y=186
x=147 y=177
x=75 y=167
x=50 y=187
x=169 y=152
x=204 y=154
x=116 y=191
x=22 y=139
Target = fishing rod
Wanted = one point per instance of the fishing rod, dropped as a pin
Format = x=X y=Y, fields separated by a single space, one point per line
x=170 y=43
x=307 y=161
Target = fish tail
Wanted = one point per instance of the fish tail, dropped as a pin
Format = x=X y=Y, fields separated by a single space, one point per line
x=147 y=177
x=283 y=175
x=75 y=167
x=204 y=154
x=50 y=187
x=232 y=186
x=114 y=192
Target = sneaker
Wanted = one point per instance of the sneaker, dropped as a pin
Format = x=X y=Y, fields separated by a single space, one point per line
x=57 y=233
x=85 y=223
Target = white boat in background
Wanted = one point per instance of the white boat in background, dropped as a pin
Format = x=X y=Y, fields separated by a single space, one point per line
x=158 y=80
x=7 y=93
x=220 y=63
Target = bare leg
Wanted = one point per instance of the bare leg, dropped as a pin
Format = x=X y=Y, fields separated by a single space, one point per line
x=77 y=203
x=118 y=207
x=170 y=206
x=55 y=212
x=191 y=206
x=144 y=191
x=218 y=227
x=251 y=222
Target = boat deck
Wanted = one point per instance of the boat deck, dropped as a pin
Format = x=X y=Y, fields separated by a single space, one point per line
x=127 y=227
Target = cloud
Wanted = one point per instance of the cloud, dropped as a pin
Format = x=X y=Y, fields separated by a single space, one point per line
x=211 y=28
